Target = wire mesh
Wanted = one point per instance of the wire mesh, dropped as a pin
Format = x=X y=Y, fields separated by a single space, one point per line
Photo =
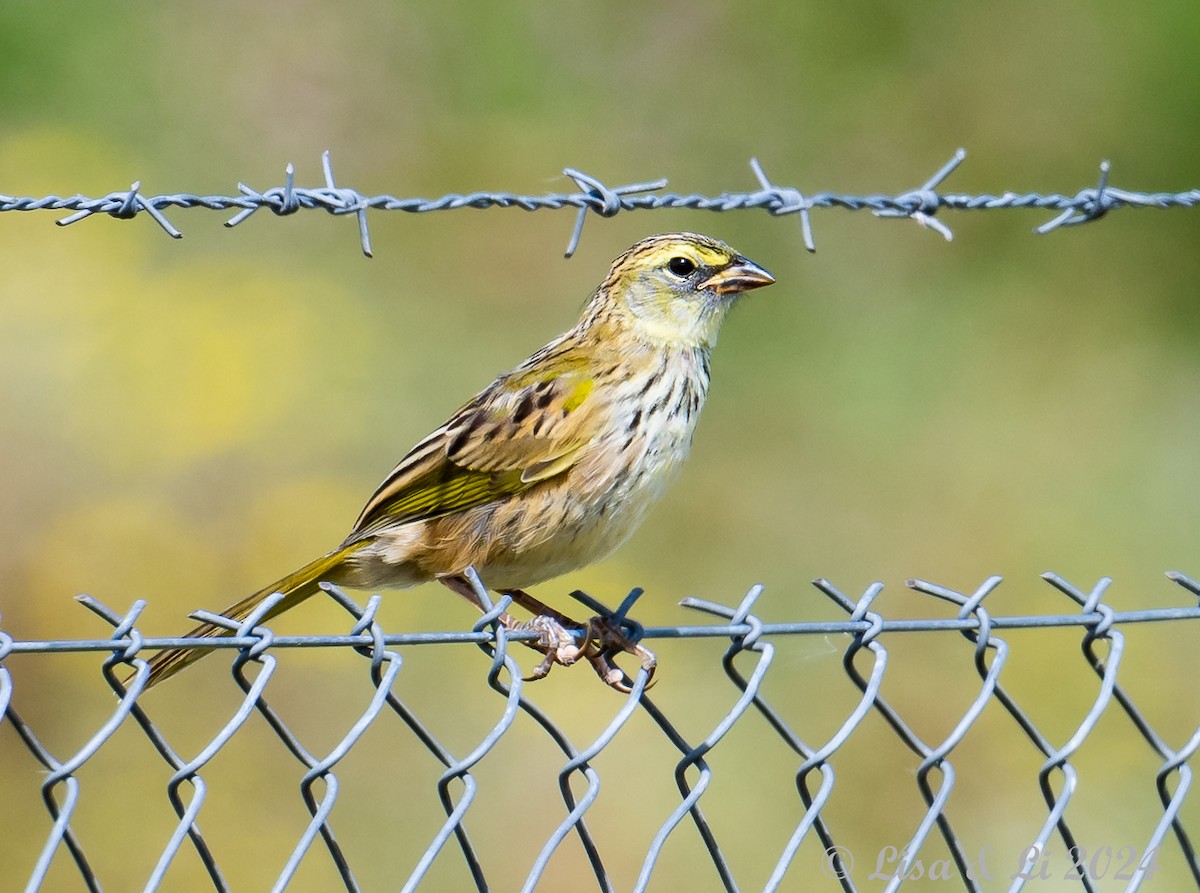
x=936 y=846
x=920 y=204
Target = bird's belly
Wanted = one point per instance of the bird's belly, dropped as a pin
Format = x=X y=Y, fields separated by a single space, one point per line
x=584 y=517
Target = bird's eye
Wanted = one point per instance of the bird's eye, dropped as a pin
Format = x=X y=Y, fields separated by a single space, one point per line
x=681 y=266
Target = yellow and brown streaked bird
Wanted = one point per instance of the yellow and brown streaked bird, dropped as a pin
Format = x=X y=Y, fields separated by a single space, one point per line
x=551 y=466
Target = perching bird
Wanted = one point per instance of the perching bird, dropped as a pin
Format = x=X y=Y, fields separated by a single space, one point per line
x=554 y=464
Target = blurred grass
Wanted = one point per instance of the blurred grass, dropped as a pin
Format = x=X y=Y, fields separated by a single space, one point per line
x=188 y=420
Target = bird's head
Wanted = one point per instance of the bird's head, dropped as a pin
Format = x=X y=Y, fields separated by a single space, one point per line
x=676 y=288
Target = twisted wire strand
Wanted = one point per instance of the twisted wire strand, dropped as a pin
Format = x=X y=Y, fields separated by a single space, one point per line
x=593 y=196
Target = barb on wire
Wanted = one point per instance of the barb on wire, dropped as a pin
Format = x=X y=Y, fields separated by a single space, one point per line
x=596 y=197
x=926 y=200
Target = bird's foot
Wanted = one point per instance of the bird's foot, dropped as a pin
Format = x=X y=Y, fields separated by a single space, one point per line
x=605 y=640
x=602 y=641
x=556 y=641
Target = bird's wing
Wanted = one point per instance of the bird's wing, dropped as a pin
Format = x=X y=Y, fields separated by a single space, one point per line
x=527 y=427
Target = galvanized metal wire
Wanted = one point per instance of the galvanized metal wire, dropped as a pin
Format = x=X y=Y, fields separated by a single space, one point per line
x=748 y=661
x=594 y=196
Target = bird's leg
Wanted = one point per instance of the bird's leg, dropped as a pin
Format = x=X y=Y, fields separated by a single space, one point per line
x=554 y=640
x=603 y=640
x=539 y=608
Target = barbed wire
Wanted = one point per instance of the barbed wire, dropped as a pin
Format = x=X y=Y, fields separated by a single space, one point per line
x=752 y=642
x=594 y=196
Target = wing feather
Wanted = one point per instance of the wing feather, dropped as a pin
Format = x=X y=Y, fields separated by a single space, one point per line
x=526 y=428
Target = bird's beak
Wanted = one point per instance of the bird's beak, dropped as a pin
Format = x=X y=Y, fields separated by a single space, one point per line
x=741 y=275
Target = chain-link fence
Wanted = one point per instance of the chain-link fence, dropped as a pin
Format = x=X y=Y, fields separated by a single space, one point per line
x=813 y=827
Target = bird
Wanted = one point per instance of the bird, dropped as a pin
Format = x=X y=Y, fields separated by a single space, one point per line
x=551 y=466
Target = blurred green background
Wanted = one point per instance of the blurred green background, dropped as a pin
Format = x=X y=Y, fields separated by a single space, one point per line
x=185 y=421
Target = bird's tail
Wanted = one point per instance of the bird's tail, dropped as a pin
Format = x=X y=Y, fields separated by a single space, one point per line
x=296 y=587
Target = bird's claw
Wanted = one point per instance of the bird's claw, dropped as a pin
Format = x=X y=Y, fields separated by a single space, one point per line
x=602 y=641
x=557 y=642
x=605 y=640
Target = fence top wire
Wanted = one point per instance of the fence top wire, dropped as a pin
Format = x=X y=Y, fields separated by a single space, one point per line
x=750 y=644
x=127 y=639
x=919 y=204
